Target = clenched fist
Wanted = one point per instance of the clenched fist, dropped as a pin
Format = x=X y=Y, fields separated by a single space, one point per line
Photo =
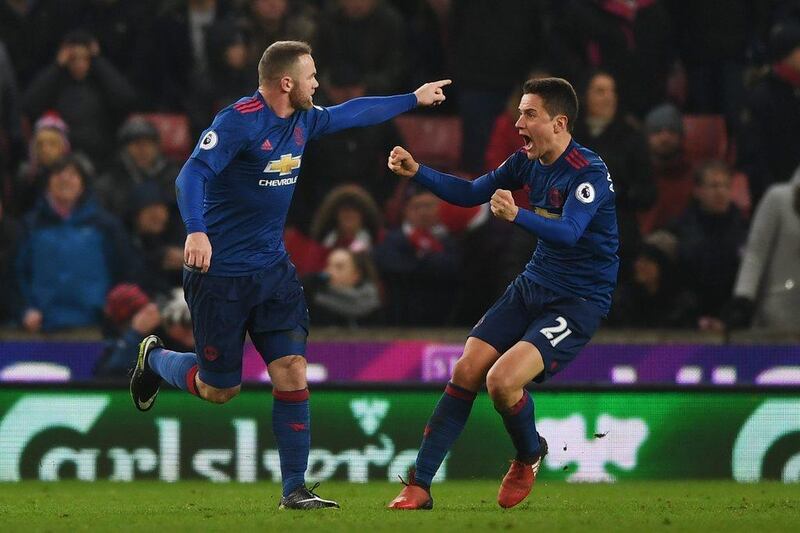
x=402 y=163
x=503 y=206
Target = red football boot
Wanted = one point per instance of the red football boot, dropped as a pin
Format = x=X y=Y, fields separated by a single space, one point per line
x=412 y=497
x=519 y=480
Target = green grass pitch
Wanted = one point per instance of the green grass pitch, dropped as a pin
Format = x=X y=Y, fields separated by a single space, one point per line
x=463 y=506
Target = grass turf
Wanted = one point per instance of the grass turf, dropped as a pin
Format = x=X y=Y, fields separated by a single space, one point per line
x=459 y=506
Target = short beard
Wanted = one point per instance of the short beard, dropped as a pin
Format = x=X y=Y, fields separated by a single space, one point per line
x=299 y=102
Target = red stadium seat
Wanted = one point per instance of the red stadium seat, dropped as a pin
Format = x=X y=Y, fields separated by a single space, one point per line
x=435 y=141
x=706 y=137
x=173 y=128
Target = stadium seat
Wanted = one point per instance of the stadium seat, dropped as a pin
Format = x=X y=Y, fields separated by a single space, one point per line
x=740 y=193
x=173 y=128
x=435 y=141
x=706 y=137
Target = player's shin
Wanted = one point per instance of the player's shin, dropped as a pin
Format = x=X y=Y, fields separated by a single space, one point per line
x=291 y=424
x=519 y=422
x=176 y=368
x=443 y=428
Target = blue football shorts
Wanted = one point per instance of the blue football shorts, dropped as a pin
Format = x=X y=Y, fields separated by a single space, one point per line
x=558 y=325
x=269 y=305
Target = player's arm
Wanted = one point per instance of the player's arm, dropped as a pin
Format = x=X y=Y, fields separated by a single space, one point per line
x=371 y=110
x=190 y=190
x=578 y=211
x=451 y=188
x=218 y=146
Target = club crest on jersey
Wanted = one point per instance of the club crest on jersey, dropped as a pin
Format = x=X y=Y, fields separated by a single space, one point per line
x=209 y=140
x=299 y=136
x=283 y=166
x=585 y=193
x=555 y=197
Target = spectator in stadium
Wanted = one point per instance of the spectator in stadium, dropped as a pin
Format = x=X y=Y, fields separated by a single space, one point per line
x=360 y=49
x=139 y=161
x=770 y=122
x=70 y=253
x=178 y=52
x=31 y=31
x=157 y=240
x=9 y=237
x=130 y=313
x=603 y=129
x=483 y=78
x=653 y=298
x=767 y=290
x=672 y=172
x=348 y=218
x=711 y=234
x=87 y=91
x=48 y=145
x=229 y=74
x=632 y=39
x=419 y=264
x=267 y=21
x=346 y=293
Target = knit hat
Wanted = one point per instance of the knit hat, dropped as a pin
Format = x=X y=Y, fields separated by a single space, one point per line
x=137 y=128
x=664 y=117
x=145 y=195
x=123 y=301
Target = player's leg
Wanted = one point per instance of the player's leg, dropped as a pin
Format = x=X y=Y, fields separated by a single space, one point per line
x=552 y=340
x=279 y=329
x=446 y=423
x=503 y=324
x=214 y=373
x=505 y=382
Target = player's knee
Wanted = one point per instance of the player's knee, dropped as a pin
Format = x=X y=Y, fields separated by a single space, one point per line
x=499 y=385
x=221 y=396
x=467 y=374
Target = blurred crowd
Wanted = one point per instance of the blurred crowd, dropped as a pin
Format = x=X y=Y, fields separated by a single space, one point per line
x=694 y=106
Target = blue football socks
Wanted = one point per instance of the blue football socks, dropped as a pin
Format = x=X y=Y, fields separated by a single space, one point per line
x=520 y=425
x=291 y=424
x=177 y=369
x=442 y=430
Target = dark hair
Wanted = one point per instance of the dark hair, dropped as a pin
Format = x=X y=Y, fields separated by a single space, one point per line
x=80 y=37
x=279 y=57
x=712 y=165
x=77 y=161
x=349 y=195
x=558 y=96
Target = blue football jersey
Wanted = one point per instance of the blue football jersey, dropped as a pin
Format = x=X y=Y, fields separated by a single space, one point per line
x=578 y=181
x=255 y=157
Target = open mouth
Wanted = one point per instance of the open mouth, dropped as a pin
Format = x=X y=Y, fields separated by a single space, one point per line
x=528 y=142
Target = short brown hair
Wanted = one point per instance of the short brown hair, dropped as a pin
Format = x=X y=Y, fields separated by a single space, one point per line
x=558 y=96
x=279 y=57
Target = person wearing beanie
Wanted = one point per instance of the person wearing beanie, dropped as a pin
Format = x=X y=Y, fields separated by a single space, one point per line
x=49 y=143
x=672 y=170
x=770 y=121
x=71 y=252
x=139 y=160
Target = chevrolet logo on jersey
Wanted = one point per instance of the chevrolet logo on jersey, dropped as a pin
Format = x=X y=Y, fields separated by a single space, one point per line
x=284 y=166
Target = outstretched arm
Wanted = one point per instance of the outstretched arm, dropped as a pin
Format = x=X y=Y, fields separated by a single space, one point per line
x=451 y=188
x=371 y=110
